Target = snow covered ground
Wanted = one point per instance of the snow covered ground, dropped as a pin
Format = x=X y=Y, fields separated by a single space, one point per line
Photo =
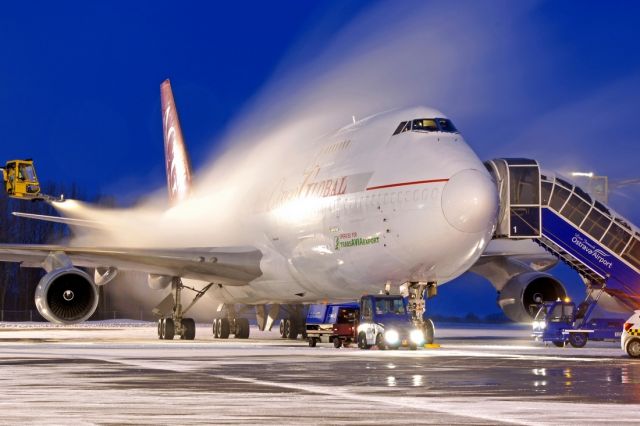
x=118 y=372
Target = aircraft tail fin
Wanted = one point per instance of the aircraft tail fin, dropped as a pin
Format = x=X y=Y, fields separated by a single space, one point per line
x=177 y=162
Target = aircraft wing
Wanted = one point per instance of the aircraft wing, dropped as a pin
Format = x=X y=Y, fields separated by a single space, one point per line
x=231 y=265
x=524 y=253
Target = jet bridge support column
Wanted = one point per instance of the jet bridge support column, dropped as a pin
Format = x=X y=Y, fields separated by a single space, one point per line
x=416 y=291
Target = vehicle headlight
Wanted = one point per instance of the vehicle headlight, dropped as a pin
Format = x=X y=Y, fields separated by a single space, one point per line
x=539 y=325
x=417 y=336
x=391 y=337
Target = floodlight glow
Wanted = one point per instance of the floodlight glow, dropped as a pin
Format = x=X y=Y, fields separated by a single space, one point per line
x=582 y=174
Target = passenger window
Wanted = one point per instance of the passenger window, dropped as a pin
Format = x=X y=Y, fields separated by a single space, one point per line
x=546 y=192
x=595 y=224
x=575 y=210
x=616 y=238
x=425 y=125
x=632 y=253
x=558 y=198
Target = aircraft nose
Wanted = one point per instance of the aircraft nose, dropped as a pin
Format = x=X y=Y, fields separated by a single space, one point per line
x=470 y=201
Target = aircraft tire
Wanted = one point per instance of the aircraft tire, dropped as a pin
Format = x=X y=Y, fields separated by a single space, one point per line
x=312 y=342
x=160 y=325
x=225 y=328
x=337 y=343
x=216 y=328
x=282 y=321
x=242 y=328
x=188 y=329
x=168 y=329
x=293 y=329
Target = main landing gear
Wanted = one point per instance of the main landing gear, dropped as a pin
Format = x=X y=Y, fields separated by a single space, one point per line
x=176 y=324
x=293 y=324
x=232 y=324
x=417 y=307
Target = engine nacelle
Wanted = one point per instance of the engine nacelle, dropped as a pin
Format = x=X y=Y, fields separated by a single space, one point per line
x=521 y=295
x=66 y=296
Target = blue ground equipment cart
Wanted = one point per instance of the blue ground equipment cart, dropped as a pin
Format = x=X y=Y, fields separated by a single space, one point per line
x=335 y=323
x=561 y=322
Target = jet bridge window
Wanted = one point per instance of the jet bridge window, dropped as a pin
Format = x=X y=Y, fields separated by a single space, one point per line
x=558 y=198
x=632 y=253
x=595 y=224
x=524 y=183
x=546 y=192
x=575 y=210
x=616 y=238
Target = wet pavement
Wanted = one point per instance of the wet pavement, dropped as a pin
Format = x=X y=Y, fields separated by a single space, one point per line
x=487 y=375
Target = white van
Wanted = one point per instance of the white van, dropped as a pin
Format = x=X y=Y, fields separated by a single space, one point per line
x=630 y=340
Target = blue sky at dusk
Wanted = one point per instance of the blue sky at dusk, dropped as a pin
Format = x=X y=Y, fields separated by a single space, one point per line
x=558 y=81
x=79 y=82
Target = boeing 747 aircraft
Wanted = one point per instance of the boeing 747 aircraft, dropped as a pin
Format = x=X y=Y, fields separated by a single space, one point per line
x=397 y=201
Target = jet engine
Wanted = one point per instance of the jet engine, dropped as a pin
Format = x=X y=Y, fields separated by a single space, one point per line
x=66 y=296
x=521 y=295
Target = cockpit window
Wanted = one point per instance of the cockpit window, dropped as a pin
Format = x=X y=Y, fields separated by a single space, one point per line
x=446 y=125
x=405 y=126
x=426 y=125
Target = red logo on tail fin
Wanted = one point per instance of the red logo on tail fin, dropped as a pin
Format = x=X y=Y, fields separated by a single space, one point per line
x=178 y=166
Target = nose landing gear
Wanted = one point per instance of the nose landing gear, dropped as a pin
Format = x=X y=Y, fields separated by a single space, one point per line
x=416 y=292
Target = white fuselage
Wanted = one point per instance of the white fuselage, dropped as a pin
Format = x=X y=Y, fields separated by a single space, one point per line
x=369 y=208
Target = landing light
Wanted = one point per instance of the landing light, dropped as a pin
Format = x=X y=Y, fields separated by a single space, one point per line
x=391 y=337
x=567 y=300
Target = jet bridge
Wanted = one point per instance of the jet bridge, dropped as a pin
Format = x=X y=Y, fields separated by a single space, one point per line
x=601 y=245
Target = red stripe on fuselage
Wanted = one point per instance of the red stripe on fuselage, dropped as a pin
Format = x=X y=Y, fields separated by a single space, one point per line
x=417 y=182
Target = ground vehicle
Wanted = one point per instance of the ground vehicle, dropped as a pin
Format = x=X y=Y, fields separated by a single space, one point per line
x=20 y=180
x=630 y=339
x=561 y=321
x=385 y=323
x=335 y=323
